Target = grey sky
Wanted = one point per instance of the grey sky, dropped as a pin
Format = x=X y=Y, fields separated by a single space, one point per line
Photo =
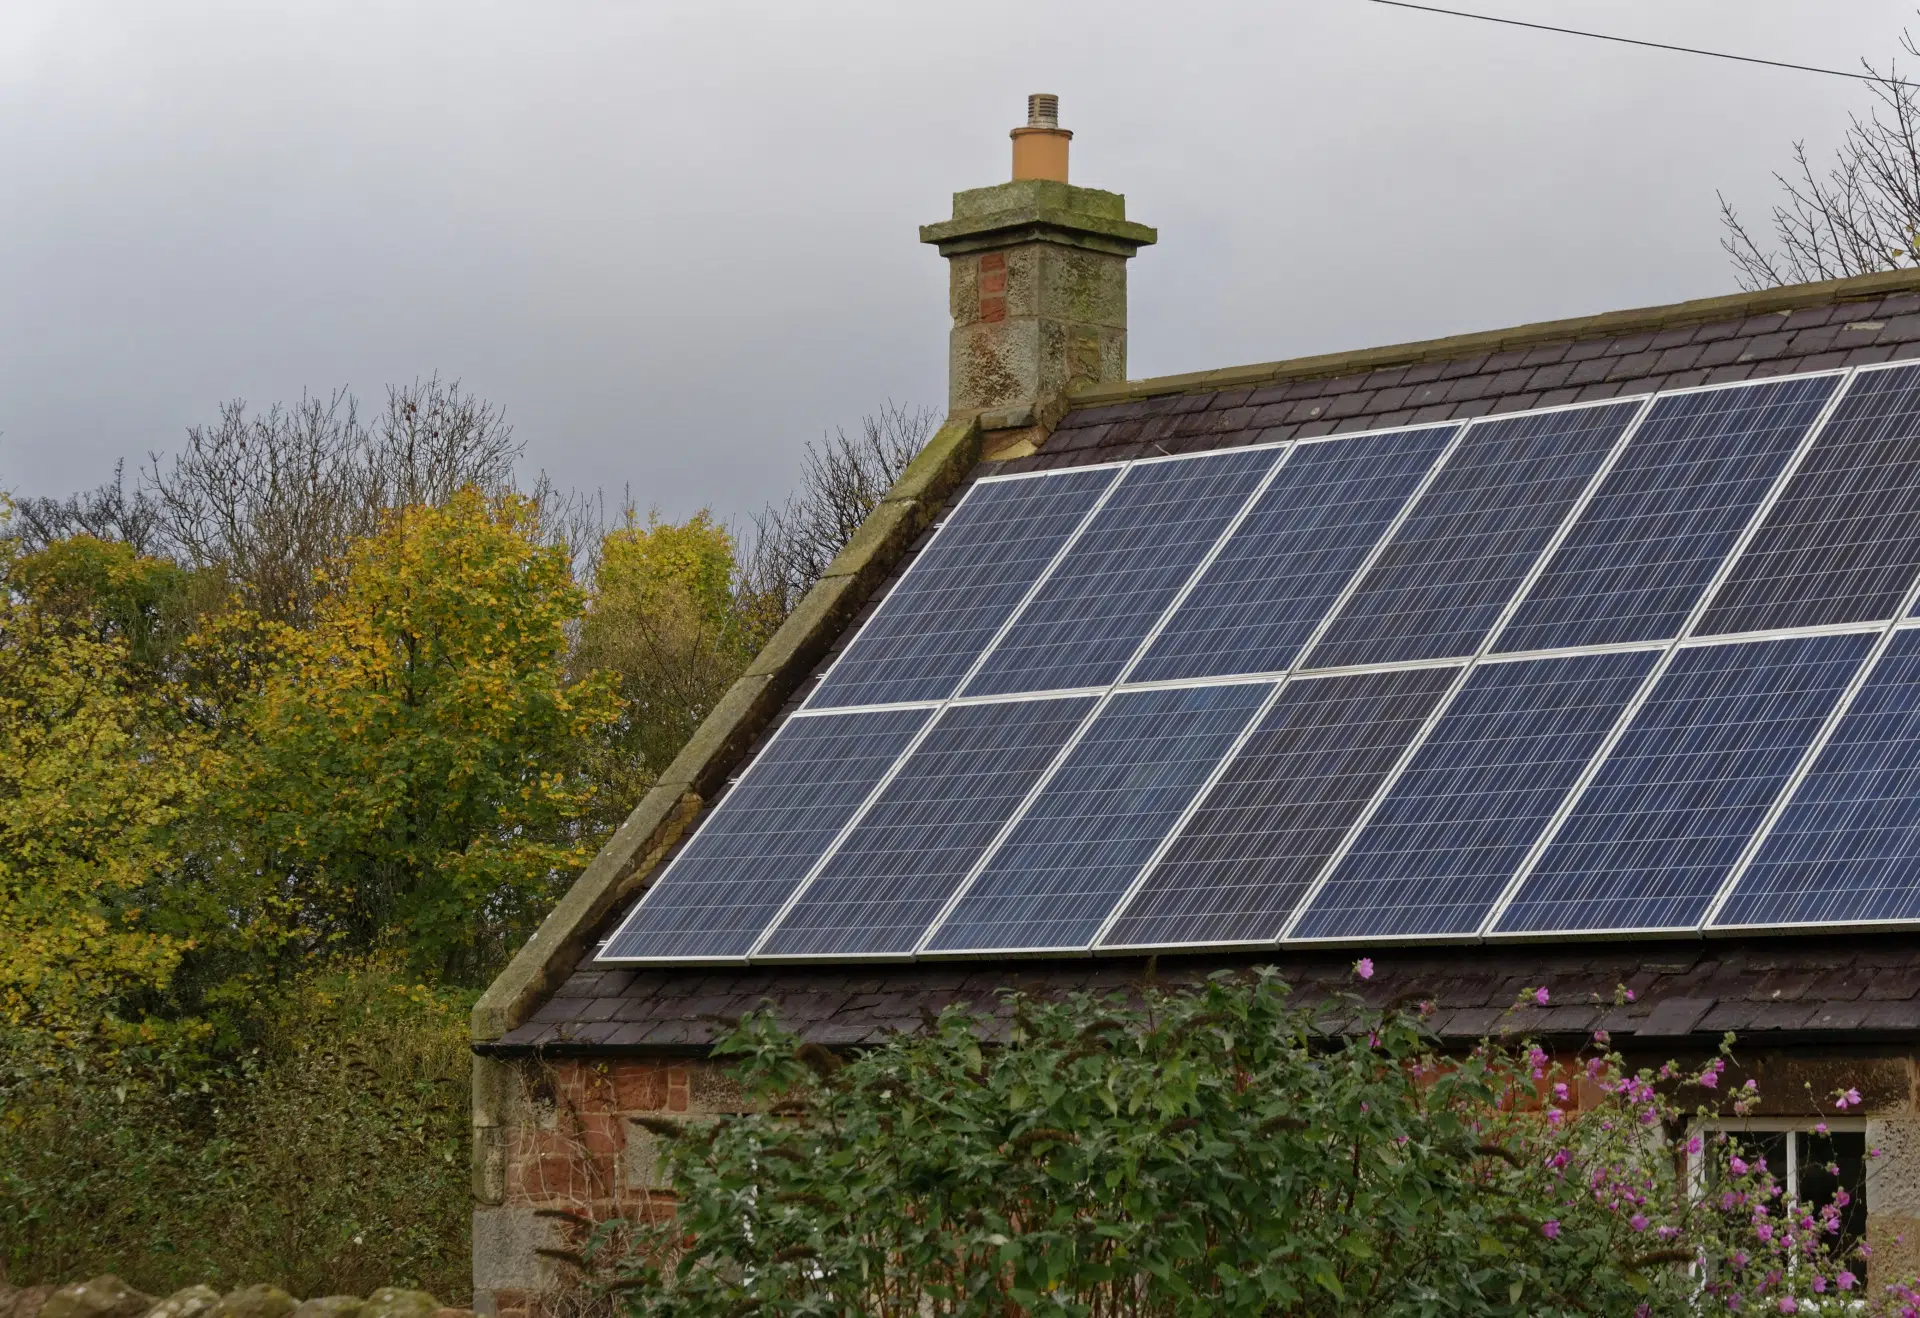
x=676 y=241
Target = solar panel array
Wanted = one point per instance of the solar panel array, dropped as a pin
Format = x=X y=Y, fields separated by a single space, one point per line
x=1636 y=666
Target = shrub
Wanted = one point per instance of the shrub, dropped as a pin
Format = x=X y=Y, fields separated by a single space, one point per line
x=330 y=1160
x=1219 y=1153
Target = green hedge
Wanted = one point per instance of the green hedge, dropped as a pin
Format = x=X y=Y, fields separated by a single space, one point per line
x=332 y=1159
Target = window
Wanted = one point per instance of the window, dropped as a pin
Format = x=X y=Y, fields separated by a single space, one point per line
x=1812 y=1165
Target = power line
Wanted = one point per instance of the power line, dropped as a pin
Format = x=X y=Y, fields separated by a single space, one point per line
x=1653 y=45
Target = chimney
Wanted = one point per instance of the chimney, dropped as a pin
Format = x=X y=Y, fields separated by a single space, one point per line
x=1038 y=283
x=1040 y=148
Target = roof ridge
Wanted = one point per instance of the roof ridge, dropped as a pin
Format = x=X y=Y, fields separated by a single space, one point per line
x=1609 y=324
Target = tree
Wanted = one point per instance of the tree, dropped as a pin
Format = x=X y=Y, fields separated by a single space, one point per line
x=1860 y=215
x=841 y=481
x=275 y=497
x=415 y=770
x=672 y=623
x=95 y=769
x=1218 y=1152
x=110 y=512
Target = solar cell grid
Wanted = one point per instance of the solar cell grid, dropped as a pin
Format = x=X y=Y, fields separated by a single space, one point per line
x=1841 y=543
x=1107 y=591
x=897 y=868
x=764 y=836
x=1846 y=850
x=963 y=587
x=1455 y=826
x=1308 y=532
x=1083 y=839
x=1662 y=522
x=1242 y=862
x=1450 y=570
x=1669 y=812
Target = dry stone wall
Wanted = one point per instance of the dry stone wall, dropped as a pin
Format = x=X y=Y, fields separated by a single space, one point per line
x=109 y=1297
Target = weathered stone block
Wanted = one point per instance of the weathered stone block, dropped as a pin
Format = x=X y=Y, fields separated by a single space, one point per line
x=504 y=1243
x=394 y=1302
x=104 y=1297
x=1893 y=1178
x=187 y=1302
x=331 y=1306
x=261 y=1301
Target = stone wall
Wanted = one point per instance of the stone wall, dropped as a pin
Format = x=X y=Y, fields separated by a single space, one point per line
x=564 y=1153
x=109 y=1297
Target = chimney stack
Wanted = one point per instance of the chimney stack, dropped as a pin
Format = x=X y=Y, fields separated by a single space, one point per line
x=1037 y=280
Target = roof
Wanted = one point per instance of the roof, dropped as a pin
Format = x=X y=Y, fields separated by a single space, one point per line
x=1686 y=995
x=556 y=995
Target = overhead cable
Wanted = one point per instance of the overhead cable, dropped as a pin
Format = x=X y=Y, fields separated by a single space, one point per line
x=1651 y=45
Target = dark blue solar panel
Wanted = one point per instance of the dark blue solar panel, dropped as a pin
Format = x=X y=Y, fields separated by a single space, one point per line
x=929 y=630
x=1257 y=603
x=1478 y=792
x=1664 y=519
x=1452 y=567
x=1084 y=838
x=1652 y=839
x=900 y=864
x=1847 y=849
x=1097 y=605
x=760 y=841
x=1843 y=542
x=1242 y=862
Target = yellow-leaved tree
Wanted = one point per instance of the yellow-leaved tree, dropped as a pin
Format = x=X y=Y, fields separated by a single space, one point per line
x=95 y=768
x=416 y=777
x=674 y=626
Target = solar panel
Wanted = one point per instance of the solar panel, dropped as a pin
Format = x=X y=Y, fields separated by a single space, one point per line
x=1839 y=545
x=1661 y=524
x=1135 y=554
x=764 y=836
x=1240 y=865
x=1669 y=812
x=1455 y=826
x=1846 y=850
x=1118 y=793
x=1453 y=566
x=1309 y=531
x=894 y=872
x=1615 y=779
x=964 y=585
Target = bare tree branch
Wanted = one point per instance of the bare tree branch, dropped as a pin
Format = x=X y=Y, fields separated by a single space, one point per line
x=1860 y=215
x=841 y=481
x=109 y=512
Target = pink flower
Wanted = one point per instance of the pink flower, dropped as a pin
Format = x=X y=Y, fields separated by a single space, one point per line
x=1845 y=1281
x=1849 y=1099
x=1555 y=1116
x=1629 y=995
x=1638 y=1221
x=1820 y=1128
x=1694 y=1145
x=1787 y=1305
x=1540 y=995
x=1709 y=1080
x=1551 y=1230
x=1819 y=1285
x=1737 y=1165
x=1364 y=967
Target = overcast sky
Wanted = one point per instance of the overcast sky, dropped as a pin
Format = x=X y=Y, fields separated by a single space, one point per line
x=675 y=241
